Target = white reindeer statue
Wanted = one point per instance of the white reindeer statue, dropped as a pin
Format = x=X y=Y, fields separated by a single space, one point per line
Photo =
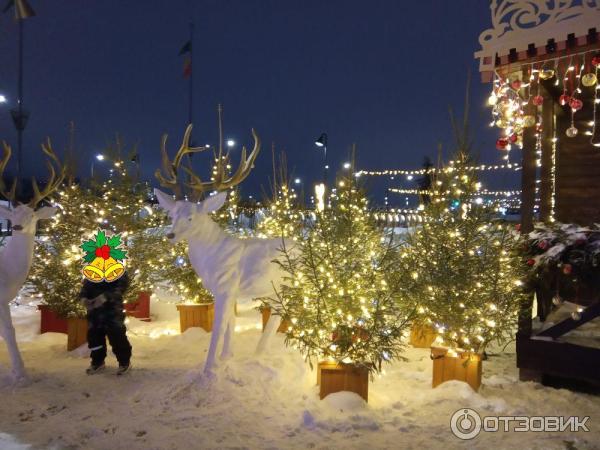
x=16 y=256
x=231 y=268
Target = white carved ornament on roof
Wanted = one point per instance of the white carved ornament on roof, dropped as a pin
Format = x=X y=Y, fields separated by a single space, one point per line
x=518 y=23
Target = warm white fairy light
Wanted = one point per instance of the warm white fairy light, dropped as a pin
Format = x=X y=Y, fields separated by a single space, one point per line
x=480 y=168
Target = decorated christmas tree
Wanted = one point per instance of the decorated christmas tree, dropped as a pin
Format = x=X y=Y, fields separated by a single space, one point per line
x=120 y=206
x=339 y=295
x=463 y=261
x=124 y=208
x=283 y=217
x=55 y=275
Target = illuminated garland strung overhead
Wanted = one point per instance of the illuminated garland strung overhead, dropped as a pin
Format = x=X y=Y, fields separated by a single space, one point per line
x=480 y=192
x=410 y=173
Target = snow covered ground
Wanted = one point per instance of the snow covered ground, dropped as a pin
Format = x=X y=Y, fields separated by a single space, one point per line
x=270 y=402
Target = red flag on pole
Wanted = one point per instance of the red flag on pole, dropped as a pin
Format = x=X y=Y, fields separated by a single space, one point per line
x=187 y=67
x=187 y=63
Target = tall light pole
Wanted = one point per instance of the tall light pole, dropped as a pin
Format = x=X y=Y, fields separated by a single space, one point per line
x=322 y=142
x=19 y=115
x=298 y=182
x=98 y=157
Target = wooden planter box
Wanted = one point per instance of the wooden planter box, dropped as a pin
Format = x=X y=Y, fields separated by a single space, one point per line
x=266 y=314
x=422 y=336
x=463 y=366
x=200 y=315
x=139 y=309
x=76 y=332
x=333 y=377
x=51 y=322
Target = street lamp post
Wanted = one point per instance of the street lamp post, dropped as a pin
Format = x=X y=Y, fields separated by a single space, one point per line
x=298 y=182
x=98 y=157
x=322 y=142
x=19 y=115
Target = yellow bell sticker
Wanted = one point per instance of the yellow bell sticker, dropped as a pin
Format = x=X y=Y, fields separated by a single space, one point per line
x=104 y=258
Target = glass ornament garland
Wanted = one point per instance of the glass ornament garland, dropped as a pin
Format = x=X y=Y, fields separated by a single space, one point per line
x=511 y=94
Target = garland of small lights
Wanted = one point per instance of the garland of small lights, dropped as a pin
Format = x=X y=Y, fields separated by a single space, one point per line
x=480 y=192
x=508 y=103
x=433 y=170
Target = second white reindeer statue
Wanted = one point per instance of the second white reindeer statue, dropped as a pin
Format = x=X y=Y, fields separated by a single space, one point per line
x=17 y=255
x=232 y=269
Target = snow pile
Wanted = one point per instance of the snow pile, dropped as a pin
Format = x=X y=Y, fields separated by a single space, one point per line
x=271 y=402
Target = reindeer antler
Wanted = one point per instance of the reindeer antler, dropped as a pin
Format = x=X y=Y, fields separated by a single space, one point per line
x=169 y=179
x=54 y=181
x=10 y=196
x=219 y=180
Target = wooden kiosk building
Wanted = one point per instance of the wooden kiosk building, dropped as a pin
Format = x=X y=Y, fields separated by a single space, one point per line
x=543 y=59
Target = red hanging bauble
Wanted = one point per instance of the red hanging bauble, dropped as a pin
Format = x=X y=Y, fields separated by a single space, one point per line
x=502 y=143
x=513 y=138
x=567 y=269
x=564 y=99
x=575 y=104
x=544 y=245
x=596 y=61
x=538 y=100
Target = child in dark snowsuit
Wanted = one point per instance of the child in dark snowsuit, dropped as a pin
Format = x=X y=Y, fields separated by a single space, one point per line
x=104 y=304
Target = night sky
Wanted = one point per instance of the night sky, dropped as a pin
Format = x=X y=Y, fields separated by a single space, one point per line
x=380 y=74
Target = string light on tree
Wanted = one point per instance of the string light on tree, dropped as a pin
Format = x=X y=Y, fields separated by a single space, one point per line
x=341 y=296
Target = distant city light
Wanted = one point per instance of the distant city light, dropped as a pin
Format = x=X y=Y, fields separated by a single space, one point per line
x=347 y=165
x=2 y=99
x=230 y=142
x=100 y=157
x=297 y=181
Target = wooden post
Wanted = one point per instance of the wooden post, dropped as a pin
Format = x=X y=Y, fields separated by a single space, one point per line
x=527 y=205
x=546 y=185
x=577 y=169
x=528 y=177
